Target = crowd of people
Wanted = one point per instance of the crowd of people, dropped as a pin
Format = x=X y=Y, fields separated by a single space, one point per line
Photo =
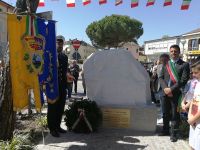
x=175 y=85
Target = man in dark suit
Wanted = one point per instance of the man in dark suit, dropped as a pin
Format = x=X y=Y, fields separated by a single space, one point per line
x=172 y=90
x=56 y=110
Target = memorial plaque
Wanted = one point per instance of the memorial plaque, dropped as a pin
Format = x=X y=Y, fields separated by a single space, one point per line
x=116 y=118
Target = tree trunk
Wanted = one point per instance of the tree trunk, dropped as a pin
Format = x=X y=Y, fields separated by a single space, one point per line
x=7 y=115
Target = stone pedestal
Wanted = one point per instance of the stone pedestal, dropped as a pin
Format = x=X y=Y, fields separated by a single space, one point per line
x=116 y=80
x=139 y=118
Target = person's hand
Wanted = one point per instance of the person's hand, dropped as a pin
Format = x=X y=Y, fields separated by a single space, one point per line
x=191 y=121
x=167 y=91
x=183 y=106
x=170 y=95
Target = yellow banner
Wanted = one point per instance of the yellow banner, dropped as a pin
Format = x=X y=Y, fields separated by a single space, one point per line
x=22 y=79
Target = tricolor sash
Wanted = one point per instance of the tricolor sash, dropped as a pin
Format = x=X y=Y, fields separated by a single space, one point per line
x=172 y=71
x=174 y=78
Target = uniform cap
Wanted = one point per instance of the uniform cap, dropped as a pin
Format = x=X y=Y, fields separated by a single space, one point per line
x=60 y=37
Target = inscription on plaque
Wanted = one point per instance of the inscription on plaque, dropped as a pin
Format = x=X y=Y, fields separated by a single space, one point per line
x=116 y=118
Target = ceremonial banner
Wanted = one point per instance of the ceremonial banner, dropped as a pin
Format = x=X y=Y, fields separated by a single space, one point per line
x=150 y=2
x=185 y=4
x=118 y=2
x=41 y=3
x=24 y=73
x=49 y=77
x=86 y=2
x=102 y=1
x=167 y=2
x=134 y=3
x=70 y=3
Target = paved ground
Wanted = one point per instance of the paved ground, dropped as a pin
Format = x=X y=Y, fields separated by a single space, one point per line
x=110 y=139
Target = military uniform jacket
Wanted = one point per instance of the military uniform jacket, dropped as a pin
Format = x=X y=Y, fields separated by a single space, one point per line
x=62 y=70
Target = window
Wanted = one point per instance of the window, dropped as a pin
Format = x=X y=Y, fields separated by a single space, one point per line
x=193 y=44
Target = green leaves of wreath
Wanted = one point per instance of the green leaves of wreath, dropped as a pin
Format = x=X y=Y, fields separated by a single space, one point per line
x=92 y=113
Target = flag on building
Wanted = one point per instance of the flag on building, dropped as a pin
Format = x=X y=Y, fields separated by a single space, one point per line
x=70 y=3
x=150 y=2
x=41 y=3
x=167 y=2
x=86 y=2
x=118 y=2
x=185 y=5
x=134 y=3
x=102 y=1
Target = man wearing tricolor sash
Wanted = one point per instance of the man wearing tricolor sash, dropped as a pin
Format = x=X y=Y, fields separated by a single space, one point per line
x=173 y=78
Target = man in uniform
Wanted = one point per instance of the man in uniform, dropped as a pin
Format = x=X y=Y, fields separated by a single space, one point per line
x=56 y=110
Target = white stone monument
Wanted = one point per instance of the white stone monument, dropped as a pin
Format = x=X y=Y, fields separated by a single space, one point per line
x=121 y=86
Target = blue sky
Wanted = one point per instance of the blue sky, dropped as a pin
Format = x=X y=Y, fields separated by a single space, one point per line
x=157 y=20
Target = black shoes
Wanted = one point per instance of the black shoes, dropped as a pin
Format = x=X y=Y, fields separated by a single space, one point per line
x=173 y=138
x=54 y=133
x=60 y=130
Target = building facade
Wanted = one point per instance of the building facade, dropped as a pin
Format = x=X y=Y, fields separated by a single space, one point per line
x=133 y=48
x=190 y=43
x=4 y=7
x=81 y=54
x=154 y=48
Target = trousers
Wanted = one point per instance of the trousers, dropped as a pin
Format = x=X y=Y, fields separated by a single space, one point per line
x=56 y=110
x=170 y=113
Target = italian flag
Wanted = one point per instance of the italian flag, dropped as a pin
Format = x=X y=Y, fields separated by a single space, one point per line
x=150 y=2
x=70 y=3
x=41 y=3
x=102 y=1
x=167 y=2
x=185 y=5
x=86 y=2
x=134 y=3
x=118 y=2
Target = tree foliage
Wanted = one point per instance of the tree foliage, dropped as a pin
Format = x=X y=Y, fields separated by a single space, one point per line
x=114 y=31
x=165 y=36
x=27 y=6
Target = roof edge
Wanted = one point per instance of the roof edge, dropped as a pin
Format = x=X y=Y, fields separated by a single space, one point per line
x=5 y=3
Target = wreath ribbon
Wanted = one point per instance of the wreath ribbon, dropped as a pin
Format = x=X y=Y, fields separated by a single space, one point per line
x=82 y=116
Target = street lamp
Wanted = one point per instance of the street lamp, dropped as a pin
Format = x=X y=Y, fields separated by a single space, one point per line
x=183 y=41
